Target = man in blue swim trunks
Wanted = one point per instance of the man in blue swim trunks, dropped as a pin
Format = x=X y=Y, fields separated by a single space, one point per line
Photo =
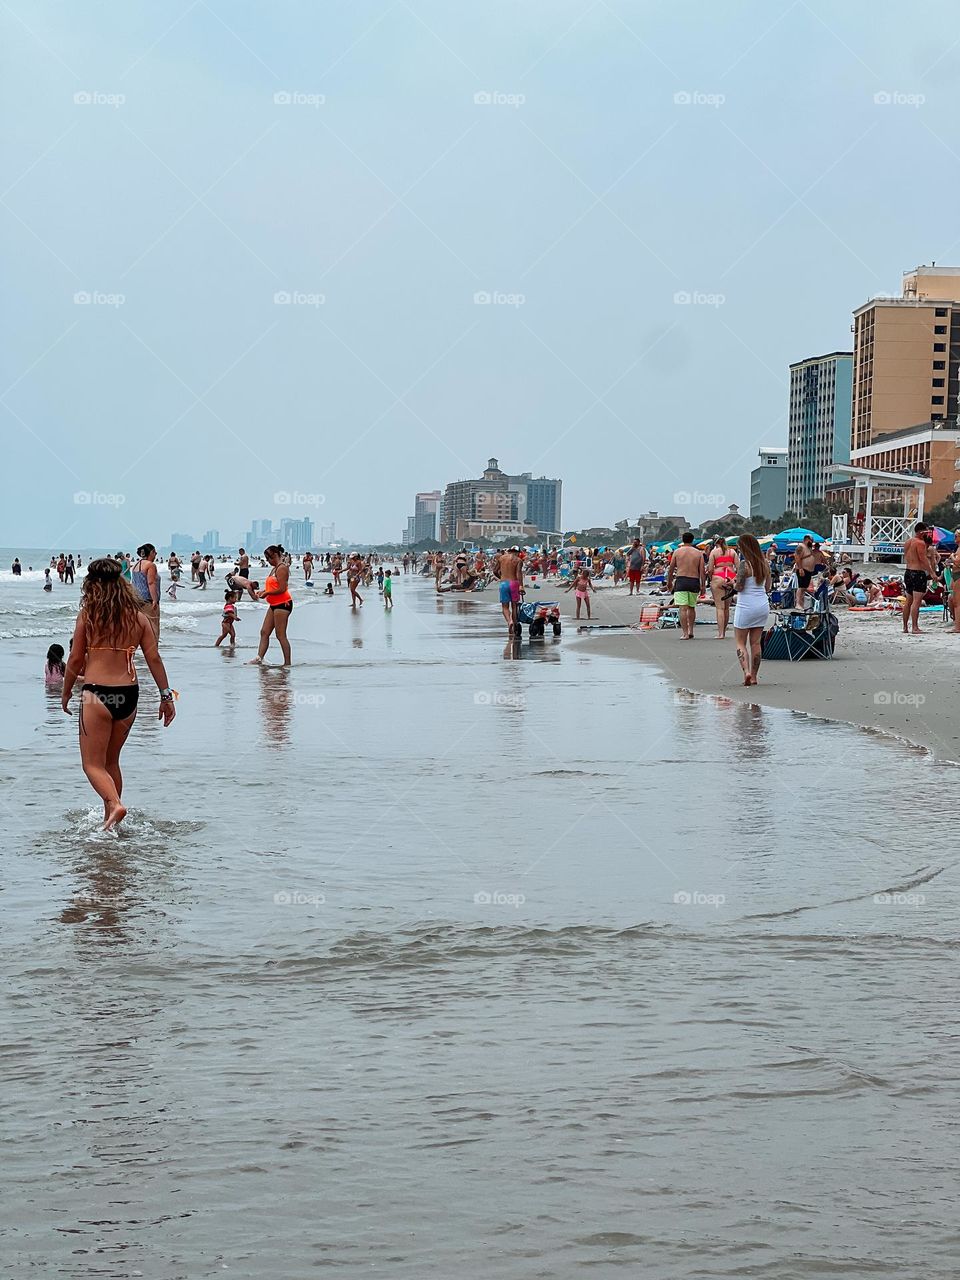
x=510 y=573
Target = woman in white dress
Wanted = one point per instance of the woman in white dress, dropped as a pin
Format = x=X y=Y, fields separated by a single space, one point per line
x=753 y=607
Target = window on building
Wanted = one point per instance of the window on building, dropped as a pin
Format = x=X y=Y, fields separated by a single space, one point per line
x=936 y=417
x=939 y=364
x=940 y=311
x=939 y=328
x=936 y=399
x=939 y=346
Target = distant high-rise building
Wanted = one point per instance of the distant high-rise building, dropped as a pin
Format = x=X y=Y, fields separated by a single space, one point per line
x=182 y=543
x=768 y=484
x=328 y=534
x=498 y=497
x=907 y=356
x=819 y=426
x=211 y=540
x=425 y=509
x=296 y=535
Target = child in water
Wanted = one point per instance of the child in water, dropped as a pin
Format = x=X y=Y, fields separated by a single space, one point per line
x=328 y=589
x=228 y=618
x=47 y=583
x=54 y=667
x=387 y=591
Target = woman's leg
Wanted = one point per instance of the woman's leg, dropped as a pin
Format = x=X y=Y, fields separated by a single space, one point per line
x=587 y=603
x=280 y=621
x=266 y=631
x=717 y=593
x=96 y=724
x=755 y=634
x=742 y=641
x=119 y=732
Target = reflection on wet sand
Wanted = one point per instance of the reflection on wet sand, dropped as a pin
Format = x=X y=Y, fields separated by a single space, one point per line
x=275 y=704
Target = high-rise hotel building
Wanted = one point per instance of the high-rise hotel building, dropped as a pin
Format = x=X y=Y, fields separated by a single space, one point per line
x=906 y=379
x=819 y=424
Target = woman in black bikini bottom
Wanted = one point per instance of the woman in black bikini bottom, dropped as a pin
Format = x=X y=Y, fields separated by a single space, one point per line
x=110 y=628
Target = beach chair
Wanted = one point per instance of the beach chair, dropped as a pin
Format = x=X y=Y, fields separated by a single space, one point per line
x=795 y=636
x=948 y=591
x=669 y=618
x=649 y=617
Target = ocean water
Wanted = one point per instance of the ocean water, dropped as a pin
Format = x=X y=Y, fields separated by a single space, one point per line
x=423 y=959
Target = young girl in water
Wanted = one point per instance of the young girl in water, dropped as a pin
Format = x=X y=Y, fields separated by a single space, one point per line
x=228 y=618
x=54 y=667
x=110 y=629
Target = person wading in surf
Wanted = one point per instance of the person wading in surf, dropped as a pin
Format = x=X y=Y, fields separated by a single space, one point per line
x=111 y=626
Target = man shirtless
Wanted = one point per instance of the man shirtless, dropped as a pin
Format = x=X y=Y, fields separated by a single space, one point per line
x=921 y=563
x=686 y=579
x=805 y=561
x=510 y=573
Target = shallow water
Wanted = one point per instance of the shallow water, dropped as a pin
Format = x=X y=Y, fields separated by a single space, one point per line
x=421 y=960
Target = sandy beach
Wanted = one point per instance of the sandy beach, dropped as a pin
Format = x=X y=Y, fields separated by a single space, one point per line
x=879 y=678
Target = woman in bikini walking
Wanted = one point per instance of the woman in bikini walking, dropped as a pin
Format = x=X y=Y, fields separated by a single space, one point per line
x=111 y=627
x=721 y=572
x=279 y=604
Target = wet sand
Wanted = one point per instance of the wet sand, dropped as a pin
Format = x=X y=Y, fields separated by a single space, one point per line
x=879 y=678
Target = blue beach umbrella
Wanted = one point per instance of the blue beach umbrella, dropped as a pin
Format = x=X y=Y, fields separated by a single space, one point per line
x=790 y=539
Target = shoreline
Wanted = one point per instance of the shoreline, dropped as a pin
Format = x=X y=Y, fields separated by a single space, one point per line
x=879 y=681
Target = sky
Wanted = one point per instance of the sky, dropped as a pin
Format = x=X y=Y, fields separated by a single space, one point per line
x=310 y=258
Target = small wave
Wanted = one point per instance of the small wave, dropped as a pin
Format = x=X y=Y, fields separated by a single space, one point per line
x=27 y=633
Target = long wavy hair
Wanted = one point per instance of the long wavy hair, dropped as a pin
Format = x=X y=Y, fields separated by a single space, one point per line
x=751 y=551
x=110 y=606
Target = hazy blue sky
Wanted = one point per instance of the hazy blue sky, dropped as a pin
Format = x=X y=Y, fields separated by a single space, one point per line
x=781 y=185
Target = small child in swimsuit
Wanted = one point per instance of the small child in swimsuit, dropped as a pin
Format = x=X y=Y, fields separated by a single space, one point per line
x=47 y=583
x=583 y=586
x=229 y=618
x=54 y=668
x=388 y=591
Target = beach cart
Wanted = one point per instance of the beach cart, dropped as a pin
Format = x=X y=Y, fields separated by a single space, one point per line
x=538 y=616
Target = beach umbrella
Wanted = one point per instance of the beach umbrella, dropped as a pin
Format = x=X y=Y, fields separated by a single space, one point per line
x=766 y=542
x=943 y=538
x=790 y=539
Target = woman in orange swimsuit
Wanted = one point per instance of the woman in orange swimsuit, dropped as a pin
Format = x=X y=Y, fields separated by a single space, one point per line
x=111 y=627
x=279 y=604
x=721 y=570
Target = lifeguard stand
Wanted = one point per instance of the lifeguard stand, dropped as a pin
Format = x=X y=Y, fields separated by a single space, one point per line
x=880 y=535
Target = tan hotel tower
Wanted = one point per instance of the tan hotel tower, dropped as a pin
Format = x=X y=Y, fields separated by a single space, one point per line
x=906 y=380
